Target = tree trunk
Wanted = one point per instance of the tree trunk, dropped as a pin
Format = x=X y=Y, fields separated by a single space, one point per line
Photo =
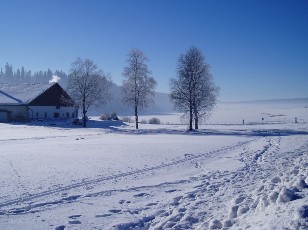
x=190 y=118
x=196 y=118
x=84 y=120
x=84 y=112
x=136 y=116
x=196 y=122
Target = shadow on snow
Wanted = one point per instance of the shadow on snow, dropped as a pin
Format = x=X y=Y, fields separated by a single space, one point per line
x=122 y=128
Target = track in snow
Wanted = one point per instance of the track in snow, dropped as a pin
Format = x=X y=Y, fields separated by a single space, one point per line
x=30 y=197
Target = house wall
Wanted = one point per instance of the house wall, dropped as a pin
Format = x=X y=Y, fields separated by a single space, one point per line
x=51 y=112
x=3 y=116
x=15 y=112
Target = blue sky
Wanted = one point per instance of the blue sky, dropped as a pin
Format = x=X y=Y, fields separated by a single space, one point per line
x=257 y=49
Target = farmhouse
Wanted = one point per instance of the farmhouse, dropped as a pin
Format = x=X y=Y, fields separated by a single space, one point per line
x=28 y=101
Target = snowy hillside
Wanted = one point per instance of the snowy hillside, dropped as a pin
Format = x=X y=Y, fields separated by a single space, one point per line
x=110 y=176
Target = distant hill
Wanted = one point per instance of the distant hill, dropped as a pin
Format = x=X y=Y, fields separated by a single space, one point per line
x=162 y=105
x=270 y=101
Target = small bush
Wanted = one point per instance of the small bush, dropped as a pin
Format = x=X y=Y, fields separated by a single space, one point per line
x=109 y=117
x=114 y=117
x=154 y=121
x=127 y=119
x=77 y=121
x=104 y=117
x=143 y=121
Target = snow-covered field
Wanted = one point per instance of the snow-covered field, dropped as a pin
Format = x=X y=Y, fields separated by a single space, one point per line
x=110 y=176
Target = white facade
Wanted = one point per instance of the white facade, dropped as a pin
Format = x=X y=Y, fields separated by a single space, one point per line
x=51 y=112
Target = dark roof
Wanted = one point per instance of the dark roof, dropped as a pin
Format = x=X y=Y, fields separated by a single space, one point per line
x=55 y=95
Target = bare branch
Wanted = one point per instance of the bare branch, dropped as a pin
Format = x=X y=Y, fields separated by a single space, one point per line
x=193 y=92
x=88 y=85
x=138 y=85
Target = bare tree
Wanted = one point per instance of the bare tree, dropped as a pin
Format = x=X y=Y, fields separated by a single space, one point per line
x=193 y=91
x=138 y=85
x=88 y=85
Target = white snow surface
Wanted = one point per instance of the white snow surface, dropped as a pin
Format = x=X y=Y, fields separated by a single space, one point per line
x=110 y=176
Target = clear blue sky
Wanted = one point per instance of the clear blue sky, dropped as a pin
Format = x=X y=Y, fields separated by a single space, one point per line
x=257 y=49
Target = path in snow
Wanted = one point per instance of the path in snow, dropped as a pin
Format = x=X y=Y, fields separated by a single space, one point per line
x=89 y=182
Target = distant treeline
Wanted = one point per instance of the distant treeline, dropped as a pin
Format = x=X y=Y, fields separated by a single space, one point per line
x=21 y=75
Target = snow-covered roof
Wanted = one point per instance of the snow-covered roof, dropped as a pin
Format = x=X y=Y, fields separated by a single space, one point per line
x=21 y=93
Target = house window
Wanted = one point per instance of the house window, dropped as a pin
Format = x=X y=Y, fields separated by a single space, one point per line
x=73 y=115
x=56 y=115
x=58 y=107
x=37 y=114
x=67 y=115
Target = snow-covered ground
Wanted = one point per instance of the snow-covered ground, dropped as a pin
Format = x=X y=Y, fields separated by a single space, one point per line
x=110 y=176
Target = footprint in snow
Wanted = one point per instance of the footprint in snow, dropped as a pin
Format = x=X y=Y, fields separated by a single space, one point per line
x=233 y=211
x=103 y=215
x=170 y=191
x=151 y=204
x=143 y=194
x=182 y=210
x=215 y=224
x=243 y=210
x=239 y=199
x=121 y=201
x=188 y=156
x=74 y=216
x=74 y=222
x=276 y=180
x=115 y=210
x=62 y=227
x=176 y=200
